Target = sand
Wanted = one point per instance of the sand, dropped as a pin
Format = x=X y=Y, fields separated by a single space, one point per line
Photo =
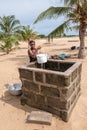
x=13 y=114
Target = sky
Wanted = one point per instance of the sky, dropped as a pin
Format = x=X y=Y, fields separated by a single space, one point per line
x=27 y=11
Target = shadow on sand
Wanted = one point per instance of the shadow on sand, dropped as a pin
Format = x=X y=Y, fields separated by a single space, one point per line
x=14 y=101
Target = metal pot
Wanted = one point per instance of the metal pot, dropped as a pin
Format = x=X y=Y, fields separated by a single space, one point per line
x=42 y=58
x=15 y=89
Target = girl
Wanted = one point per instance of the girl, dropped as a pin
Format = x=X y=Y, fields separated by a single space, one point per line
x=32 y=52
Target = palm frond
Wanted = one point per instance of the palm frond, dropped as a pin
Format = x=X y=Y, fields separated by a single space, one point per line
x=16 y=28
x=27 y=32
x=60 y=29
x=76 y=27
x=52 y=12
x=74 y=16
x=66 y=2
x=8 y=24
x=15 y=23
x=73 y=2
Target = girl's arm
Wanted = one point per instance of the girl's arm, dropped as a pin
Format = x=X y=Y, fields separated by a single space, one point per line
x=30 y=53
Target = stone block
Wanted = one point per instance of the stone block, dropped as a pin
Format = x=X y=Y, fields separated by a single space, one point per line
x=39 y=76
x=40 y=100
x=29 y=96
x=31 y=86
x=73 y=97
x=67 y=92
x=40 y=117
x=78 y=80
x=50 y=91
x=54 y=79
x=78 y=90
x=79 y=69
x=57 y=103
x=65 y=116
x=26 y=74
x=58 y=80
x=67 y=81
x=74 y=75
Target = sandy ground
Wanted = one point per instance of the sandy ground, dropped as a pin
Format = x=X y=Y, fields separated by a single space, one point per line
x=12 y=114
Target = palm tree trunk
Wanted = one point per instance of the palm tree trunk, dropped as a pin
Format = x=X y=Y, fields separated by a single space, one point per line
x=48 y=39
x=52 y=39
x=82 y=31
x=7 y=51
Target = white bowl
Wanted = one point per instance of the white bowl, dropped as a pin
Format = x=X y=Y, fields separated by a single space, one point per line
x=41 y=58
x=15 y=89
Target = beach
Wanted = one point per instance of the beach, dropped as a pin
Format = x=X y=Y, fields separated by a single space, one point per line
x=13 y=114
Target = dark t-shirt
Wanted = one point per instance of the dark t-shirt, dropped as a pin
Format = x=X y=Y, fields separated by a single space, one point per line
x=31 y=58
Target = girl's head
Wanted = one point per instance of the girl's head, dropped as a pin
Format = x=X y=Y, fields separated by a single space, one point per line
x=32 y=43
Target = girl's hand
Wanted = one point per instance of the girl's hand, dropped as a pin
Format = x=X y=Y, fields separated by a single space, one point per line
x=39 y=47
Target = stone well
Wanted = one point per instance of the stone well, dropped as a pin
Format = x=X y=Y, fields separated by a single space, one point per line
x=54 y=88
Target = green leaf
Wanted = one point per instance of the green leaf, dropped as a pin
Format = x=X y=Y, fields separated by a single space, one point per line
x=60 y=29
x=53 y=12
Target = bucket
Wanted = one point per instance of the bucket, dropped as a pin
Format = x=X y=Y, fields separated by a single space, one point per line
x=42 y=58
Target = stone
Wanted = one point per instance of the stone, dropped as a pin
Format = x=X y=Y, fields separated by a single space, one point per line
x=58 y=104
x=40 y=117
x=53 y=91
x=31 y=86
x=40 y=99
x=39 y=76
x=55 y=79
x=74 y=75
x=67 y=92
x=26 y=74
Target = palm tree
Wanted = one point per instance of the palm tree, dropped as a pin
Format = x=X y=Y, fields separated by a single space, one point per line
x=9 y=27
x=75 y=12
x=8 y=43
x=28 y=33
